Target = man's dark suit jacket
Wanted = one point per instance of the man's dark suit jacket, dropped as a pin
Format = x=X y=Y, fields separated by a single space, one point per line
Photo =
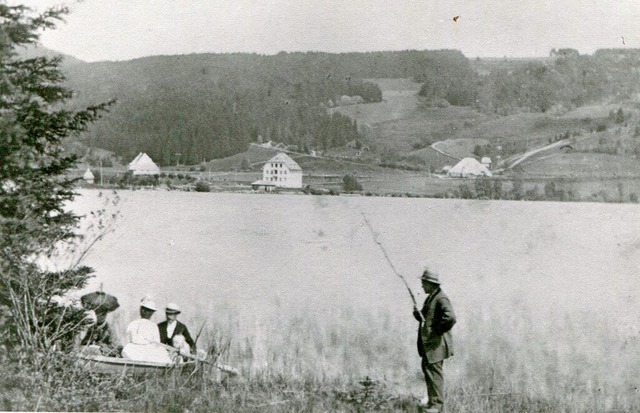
x=434 y=337
x=180 y=329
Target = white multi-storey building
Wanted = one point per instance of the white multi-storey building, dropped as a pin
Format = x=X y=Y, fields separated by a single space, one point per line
x=281 y=171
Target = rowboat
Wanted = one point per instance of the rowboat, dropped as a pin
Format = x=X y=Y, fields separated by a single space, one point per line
x=120 y=365
x=91 y=359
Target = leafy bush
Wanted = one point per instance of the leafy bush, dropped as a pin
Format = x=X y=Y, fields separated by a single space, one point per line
x=350 y=183
x=466 y=192
x=202 y=186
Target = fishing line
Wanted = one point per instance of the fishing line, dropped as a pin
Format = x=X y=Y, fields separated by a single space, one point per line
x=384 y=252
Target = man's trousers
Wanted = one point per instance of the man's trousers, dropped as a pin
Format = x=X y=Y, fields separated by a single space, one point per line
x=434 y=377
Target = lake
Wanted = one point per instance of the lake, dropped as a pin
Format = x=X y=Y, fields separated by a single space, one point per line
x=245 y=260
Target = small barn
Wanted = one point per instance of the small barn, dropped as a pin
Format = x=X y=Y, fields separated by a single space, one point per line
x=88 y=176
x=467 y=168
x=262 y=185
x=143 y=165
x=486 y=161
x=282 y=171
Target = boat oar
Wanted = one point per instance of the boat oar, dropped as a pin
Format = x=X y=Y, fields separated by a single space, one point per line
x=222 y=367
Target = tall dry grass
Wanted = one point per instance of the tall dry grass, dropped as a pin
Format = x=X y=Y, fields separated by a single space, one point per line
x=546 y=297
x=516 y=359
x=506 y=361
x=514 y=356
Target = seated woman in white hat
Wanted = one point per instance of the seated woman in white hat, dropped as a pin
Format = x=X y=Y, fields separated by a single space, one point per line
x=143 y=337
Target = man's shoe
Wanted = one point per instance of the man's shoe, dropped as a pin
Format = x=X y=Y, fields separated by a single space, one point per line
x=424 y=402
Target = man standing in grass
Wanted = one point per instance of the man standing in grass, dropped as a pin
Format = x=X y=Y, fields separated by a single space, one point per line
x=434 y=339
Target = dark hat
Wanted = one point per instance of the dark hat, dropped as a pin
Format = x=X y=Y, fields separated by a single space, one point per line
x=99 y=302
x=428 y=275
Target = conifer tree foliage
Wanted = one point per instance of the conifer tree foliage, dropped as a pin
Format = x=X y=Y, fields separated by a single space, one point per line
x=33 y=185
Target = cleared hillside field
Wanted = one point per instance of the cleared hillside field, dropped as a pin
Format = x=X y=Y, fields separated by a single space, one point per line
x=402 y=119
x=433 y=159
x=388 y=85
x=546 y=294
x=426 y=123
x=396 y=105
x=591 y=111
x=583 y=165
x=254 y=155
x=534 y=127
x=460 y=148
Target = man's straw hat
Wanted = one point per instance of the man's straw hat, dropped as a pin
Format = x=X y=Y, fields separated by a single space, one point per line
x=428 y=275
x=172 y=308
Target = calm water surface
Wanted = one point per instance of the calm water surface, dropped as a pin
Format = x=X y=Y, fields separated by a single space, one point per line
x=255 y=256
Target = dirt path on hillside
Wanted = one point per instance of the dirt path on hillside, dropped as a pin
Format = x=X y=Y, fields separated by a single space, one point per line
x=435 y=147
x=527 y=155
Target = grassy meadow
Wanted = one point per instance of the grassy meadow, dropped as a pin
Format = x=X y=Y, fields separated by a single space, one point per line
x=293 y=292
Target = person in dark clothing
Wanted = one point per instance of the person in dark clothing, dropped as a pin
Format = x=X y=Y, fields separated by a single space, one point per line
x=171 y=330
x=435 y=343
x=99 y=332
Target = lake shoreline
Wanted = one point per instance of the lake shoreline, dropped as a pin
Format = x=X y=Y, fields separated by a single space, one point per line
x=467 y=189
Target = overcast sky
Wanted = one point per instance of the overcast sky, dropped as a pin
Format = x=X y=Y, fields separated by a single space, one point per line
x=126 y=29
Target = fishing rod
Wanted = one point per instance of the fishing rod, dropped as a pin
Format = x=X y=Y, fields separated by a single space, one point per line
x=199 y=332
x=384 y=252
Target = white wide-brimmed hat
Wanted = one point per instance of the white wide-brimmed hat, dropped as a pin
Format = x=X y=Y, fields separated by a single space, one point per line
x=148 y=304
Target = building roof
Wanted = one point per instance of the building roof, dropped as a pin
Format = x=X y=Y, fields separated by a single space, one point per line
x=285 y=159
x=88 y=175
x=468 y=167
x=263 y=183
x=143 y=164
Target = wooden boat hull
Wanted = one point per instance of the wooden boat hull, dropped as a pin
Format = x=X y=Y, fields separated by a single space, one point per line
x=118 y=365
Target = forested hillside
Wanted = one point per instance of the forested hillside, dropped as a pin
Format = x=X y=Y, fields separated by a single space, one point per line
x=192 y=108
x=563 y=81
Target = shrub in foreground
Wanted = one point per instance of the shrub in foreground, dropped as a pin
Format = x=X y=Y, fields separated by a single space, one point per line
x=34 y=187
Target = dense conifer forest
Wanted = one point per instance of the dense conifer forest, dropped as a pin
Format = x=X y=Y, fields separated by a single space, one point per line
x=192 y=108
x=198 y=107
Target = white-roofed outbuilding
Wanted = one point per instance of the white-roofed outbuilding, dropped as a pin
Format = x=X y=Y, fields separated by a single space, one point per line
x=88 y=176
x=143 y=165
x=468 y=167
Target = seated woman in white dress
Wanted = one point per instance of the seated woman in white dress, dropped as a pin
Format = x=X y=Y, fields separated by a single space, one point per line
x=143 y=337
